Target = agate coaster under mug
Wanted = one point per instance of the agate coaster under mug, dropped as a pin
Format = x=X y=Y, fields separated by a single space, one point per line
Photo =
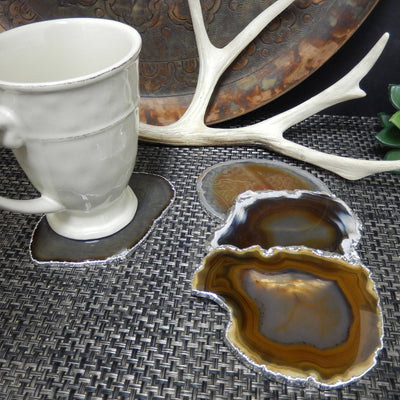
x=154 y=193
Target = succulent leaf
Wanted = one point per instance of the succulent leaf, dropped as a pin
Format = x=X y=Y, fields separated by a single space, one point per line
x=385 y=119
x=389 y=136
x=395 y=119
x=394 y=95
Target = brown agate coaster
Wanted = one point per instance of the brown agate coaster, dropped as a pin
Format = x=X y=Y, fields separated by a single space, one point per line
x=154 y=195
x=290 y=218
x=298 y=314
x=219 y=185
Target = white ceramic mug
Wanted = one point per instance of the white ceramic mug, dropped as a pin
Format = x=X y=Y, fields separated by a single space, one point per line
x=69 y=102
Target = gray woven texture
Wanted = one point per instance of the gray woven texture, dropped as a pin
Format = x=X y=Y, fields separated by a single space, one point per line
x=132 y=329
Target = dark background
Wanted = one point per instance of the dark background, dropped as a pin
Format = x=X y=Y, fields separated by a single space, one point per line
x=384 y=18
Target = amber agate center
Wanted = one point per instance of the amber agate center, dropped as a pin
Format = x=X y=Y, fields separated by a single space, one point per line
x=312 y=310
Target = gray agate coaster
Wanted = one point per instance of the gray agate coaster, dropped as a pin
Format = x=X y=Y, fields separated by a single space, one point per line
x=154 y=194
x=219 y=185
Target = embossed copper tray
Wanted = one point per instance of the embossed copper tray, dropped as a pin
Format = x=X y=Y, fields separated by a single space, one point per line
x=291 y=48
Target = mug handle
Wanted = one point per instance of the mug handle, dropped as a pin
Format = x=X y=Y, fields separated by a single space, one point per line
x=10 y=137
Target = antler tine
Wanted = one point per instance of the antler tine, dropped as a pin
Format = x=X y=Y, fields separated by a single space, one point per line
x=250 y=32
x=345 y=89
x=346 y=167
x=228 y=53
x=214 y=61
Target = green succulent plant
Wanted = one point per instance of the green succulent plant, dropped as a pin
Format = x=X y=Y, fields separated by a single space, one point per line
x=389 y=136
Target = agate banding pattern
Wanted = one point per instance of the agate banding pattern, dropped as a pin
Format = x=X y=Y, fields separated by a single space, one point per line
x=290 y=218
x=306 y=337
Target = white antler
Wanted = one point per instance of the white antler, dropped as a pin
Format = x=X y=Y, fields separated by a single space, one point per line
x=191 y=129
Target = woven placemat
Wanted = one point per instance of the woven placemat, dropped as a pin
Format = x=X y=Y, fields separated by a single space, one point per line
x=132 y=329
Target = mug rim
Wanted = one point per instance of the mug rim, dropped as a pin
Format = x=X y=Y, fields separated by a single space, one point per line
x=82 y=80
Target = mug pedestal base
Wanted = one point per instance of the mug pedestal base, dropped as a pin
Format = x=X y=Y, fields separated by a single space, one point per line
x=98 y=223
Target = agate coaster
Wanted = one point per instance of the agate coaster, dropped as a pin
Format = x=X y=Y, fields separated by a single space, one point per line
x=290 y=218
x=154 y=195
x=298 y=314
x=219 y=185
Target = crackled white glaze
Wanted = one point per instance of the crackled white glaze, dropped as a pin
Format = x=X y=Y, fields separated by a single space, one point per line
x=69 y=110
